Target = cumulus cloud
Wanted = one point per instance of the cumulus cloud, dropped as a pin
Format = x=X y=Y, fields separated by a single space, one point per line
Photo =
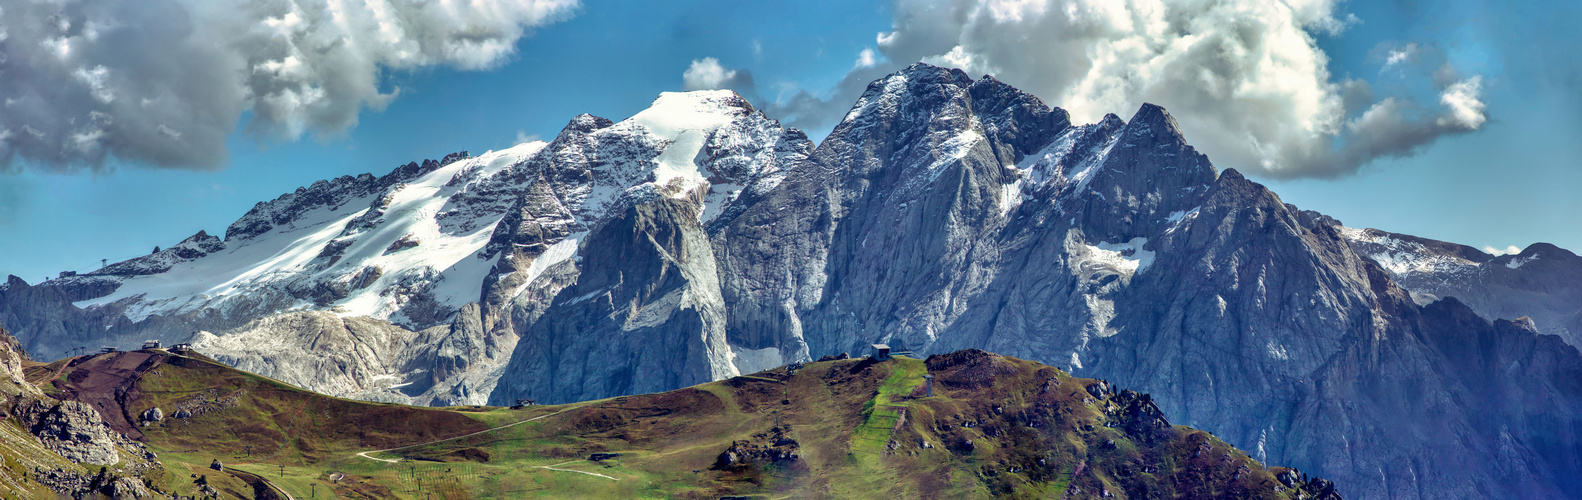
x=708 y=74
x=1510 y=250
x=164 y=82
x=867 y=59
x=1245 y=78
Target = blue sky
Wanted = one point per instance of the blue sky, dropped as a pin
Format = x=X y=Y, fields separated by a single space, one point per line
x=1512 y=181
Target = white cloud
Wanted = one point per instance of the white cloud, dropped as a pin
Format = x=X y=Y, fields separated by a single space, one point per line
x=522 y=137
x=706 y=74
x=709 y=75
x=155 y=67
x=1466 y=108
x=1510 y=250
x=1400 y=55
x=867 y=58
x=1246 y=79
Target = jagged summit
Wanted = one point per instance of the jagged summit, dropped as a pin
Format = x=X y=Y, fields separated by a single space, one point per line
x=1158 y=122
x=588 y=123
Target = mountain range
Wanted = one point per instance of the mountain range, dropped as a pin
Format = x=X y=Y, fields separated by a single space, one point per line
x=700 y=240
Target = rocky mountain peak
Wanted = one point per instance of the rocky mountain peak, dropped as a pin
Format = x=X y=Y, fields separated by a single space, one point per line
x=1153 y=121
x=928 y=74
x=587 y=123
x=1015 y=118
x=192 y=248
x=1147 y=173
x=1545 y=250
x=332 y=194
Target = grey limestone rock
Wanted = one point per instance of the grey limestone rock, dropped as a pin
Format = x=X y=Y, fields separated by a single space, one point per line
x=72 y=429
x=645 y=315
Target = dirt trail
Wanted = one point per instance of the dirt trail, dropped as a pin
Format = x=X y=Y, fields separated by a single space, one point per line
x=553 y=467
x=255 y=480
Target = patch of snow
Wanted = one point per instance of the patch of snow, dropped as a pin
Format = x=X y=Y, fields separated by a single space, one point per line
x=718 y=196
x=265 y=258
x=1179 y=218
x=1404 y=258
x=1010 y=197
x=1131 y=255
x=1276 y=351
x=1106 y=267
x=1180 y=215
x=444 y=259
x=676 y=112
x=1356 y=234
x=755 y=360
x=587 y=296
x=885 y=100
x=1064 y=160
x=1518 y=262
x=560 y=251
x=1125 y=259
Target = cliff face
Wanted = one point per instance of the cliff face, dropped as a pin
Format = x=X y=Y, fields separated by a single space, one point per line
x=644 y=316
x=12 y=381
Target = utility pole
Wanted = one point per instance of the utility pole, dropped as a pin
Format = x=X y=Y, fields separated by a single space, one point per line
x=282 y=471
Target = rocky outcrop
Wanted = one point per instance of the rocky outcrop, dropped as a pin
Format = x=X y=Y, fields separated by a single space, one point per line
x=151 y=416
x=72 y=429
x=364 y=357
x=767 y=449
x=12 y=381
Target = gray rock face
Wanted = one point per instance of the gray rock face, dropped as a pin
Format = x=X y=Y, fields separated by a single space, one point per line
x=647 y=305
x=367 y=358
x=12 y=380
x=72 y=429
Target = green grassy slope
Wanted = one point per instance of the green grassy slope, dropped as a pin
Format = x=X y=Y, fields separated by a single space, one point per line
x=859 y=428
